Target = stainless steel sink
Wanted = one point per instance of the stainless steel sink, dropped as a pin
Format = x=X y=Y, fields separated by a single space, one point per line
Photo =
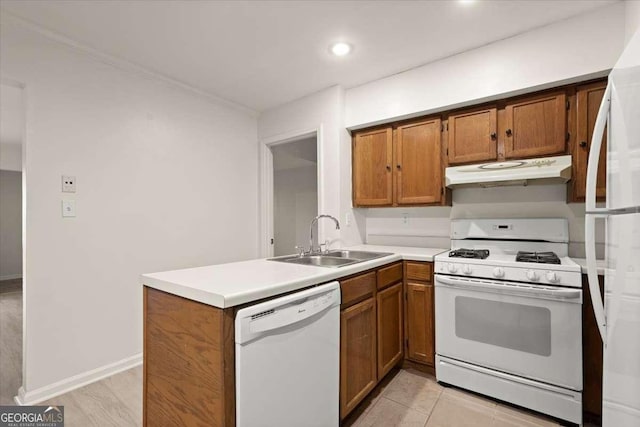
x=322 y=261
x=359 y=255
x=331 y=259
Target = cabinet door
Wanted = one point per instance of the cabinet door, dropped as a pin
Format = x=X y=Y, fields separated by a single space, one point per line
x=389 y=328
x=536 y=126
x=418 y=163
x=372 y=177
x=588 y=99
x=473 y=136
x=358 y=368
x=420 y=331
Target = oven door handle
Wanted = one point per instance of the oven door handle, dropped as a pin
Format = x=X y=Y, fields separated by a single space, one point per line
x=506 y=288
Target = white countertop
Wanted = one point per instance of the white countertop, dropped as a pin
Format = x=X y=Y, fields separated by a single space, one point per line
x=582 y=262
x=228 y=285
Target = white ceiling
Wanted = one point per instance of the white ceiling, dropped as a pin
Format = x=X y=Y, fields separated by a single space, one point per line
x=11 y=115
x=262 y=54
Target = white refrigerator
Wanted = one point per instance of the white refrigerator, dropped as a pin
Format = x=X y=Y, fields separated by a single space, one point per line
x=619 y=316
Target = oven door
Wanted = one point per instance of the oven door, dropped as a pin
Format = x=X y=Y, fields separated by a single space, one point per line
x=527 y=330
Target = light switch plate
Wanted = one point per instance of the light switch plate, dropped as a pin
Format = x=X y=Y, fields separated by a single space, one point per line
x=68 y=208
x=68 y=184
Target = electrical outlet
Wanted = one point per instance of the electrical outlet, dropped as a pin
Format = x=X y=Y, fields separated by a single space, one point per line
x=68 y=208
x=68 y=184
x=347 y=219
x=405 y=218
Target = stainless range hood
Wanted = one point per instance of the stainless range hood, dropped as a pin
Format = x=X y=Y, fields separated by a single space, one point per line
x=547 y=170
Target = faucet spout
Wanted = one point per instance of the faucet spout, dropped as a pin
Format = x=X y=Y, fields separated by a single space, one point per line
x=313 y=222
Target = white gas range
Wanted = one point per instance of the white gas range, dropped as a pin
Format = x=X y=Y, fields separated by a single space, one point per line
x=509 y=314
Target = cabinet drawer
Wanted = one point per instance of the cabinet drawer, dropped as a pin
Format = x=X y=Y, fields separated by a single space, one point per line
x=419 y=271
x=389 y=275
x=357 y=288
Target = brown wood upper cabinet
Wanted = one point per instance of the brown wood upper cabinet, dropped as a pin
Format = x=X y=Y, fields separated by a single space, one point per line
x=588 y=99
x=372 y=167
x=536 y=126
x=418 y=163
x=473 y=135
x=401 y=170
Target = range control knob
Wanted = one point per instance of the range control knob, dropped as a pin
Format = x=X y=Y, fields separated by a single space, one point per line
x=552 y=277
x=466 y=269
x=452 y=268
x=498 y=272
x=533 y=275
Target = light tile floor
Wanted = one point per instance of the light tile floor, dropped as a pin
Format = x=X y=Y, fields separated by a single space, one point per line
x=414 y=399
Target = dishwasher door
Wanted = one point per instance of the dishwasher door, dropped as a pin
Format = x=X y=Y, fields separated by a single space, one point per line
x=288 y=360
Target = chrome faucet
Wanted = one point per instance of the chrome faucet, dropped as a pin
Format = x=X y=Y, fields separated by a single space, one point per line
x=313 y=222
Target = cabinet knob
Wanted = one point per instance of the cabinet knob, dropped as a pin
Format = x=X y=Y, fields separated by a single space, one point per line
x=493 y=135
x=399 y=167
x=388 y=167
x=509 y=133
x=583 y=144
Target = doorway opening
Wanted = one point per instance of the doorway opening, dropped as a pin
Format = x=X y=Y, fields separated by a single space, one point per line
x=295 y=193
x=12 y=125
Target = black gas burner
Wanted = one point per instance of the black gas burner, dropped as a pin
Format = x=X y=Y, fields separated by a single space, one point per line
x=469 y=253
x=539 y=257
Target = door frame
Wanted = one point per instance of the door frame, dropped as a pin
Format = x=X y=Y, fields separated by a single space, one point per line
x=265 y=193
x=7 y=81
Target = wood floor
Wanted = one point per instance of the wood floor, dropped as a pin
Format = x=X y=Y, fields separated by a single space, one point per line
x=10 y=339
x=406 y=398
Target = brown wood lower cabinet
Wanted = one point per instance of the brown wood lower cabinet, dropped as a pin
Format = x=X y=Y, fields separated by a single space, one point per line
x=420 y=345
x=419 y=312
x=390 y=323
x=189 y=362
x=591 y=353
x=358 y=368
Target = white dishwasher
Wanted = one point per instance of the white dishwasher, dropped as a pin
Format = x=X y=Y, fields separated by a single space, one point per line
x=288 y=360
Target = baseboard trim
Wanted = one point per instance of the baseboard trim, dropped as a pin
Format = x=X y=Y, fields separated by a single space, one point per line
x=68 y=384
x=11 y=277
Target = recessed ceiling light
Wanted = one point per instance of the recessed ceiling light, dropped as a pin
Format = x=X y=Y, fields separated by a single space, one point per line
x=465 y=2
x=340 y=49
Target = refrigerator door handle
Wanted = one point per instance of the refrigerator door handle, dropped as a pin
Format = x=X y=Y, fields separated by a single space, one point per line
x=590 y=217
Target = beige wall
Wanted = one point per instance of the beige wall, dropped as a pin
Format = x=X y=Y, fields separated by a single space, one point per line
x=10 y=224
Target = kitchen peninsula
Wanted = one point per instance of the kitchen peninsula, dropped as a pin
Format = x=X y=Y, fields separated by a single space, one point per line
x=189 y=354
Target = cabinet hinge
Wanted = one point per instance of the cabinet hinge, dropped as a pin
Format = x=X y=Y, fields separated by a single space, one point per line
x=441 y=191
x=441 y=128
x=406 y=343
x=447 y=151
x=568 y=137
x=568 y=104
x=447 y=126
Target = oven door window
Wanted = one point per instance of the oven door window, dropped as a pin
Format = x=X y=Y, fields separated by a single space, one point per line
x=519 y=327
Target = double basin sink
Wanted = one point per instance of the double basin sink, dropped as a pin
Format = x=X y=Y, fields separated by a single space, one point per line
x=332 y=258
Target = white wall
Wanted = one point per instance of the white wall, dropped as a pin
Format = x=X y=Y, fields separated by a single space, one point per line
x=166 y=179
x=570 y=50
x=324 y=111
x=10 y=224
x=295 y=204
x=430 y=226
x=632 y=14
x=10 y=157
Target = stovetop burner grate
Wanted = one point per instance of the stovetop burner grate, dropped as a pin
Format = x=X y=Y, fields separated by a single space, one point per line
x=469 y=253
x=538 y=257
